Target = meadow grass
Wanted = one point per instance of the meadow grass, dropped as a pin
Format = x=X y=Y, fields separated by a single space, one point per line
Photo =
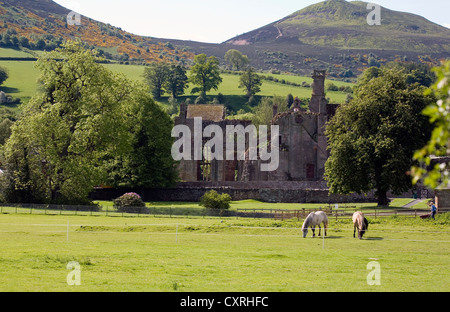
x=14 y=53
x=256 y=204
x=213 y=254
x=22 y=82
x=230 y=84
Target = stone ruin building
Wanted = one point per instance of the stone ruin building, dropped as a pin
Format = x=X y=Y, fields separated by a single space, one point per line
x=303 y=144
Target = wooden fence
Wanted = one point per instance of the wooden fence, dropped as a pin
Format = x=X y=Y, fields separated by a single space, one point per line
x=277 y=214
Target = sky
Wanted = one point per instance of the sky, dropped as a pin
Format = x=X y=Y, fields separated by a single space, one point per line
x=216 y=21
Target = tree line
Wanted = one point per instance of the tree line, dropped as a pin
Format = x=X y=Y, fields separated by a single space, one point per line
x=171 y=79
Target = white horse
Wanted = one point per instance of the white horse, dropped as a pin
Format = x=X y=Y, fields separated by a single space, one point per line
x=313 y=219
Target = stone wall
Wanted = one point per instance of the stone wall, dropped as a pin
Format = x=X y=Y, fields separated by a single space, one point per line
x=292 y=192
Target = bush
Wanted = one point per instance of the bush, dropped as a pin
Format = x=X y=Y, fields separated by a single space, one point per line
x=129 y=202
x=213 y=200
x=332 y=87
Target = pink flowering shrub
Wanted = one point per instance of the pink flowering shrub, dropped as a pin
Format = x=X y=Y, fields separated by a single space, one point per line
x=129 y=200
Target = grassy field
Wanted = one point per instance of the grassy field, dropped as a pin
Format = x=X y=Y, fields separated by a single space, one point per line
x=255 y=204
x=23 y=81
x=211 y=254
x=230 y=84
x=14 y=53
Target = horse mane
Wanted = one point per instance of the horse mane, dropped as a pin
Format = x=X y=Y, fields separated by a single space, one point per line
x=308 y=220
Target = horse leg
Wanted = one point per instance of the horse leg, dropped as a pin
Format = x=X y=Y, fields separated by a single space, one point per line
x=319 y=230
x=354 y=231
x=325 y=225
x=314 y=231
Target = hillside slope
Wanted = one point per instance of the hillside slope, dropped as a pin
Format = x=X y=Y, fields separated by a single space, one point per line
x=44 y=24
x=331 y=35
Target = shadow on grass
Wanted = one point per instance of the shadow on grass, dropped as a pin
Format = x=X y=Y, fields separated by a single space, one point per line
x=374 y=238
x=8 y=90
x=334 y=237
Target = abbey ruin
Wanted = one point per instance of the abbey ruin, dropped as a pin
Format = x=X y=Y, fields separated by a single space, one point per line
x=302 y=142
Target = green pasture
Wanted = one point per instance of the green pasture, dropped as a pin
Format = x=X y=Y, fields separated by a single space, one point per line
x=14 y=53
x=213 y=254
x=230 y=84
x=396 y=203
x=22 y=82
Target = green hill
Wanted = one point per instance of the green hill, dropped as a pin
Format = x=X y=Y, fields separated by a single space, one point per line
x=338 y=23
x=335 y=35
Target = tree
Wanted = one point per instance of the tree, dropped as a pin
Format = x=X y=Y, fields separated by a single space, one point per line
x=205 y=74
x=85 y=118
x=5 y=130
x=289 y=100
x=251 y=82
x=156 y=75
x=237 y=60
x=148 y=161
x=263 y=113
x=439 y=145
x=3 y=75
x=176 y=80
x=372 y=139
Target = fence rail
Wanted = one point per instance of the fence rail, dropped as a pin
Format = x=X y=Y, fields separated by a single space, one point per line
x=277 y=214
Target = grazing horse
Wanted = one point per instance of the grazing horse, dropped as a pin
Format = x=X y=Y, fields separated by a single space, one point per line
x=360 y=222
x=313 y=219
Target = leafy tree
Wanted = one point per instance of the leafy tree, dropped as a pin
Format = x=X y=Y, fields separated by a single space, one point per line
x=439 y=144
x=156 y=75
x=148 y=161
x=5 y=130
x=3 y=75
x=176 y=80
x=416 y=73
x=85 y=119
x=372 y=139
x=263 y=112
x=205 y=74
x=290 y=100
x=55 y=150
x=251 y=82
x=237 y=60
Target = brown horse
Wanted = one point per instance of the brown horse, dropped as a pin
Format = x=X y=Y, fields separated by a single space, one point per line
x=360 y=222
